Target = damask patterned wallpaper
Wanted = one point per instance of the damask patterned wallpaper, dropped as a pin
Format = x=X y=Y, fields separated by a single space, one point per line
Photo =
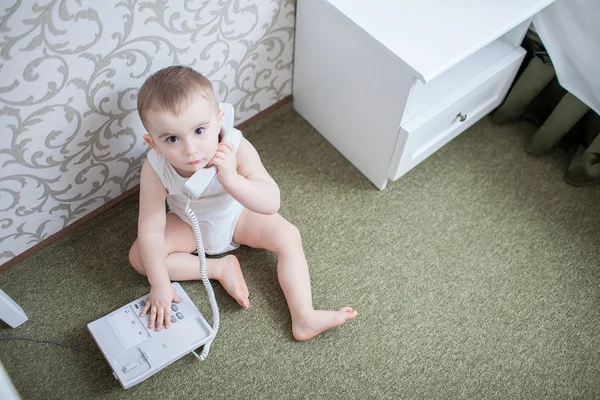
x=70 y=137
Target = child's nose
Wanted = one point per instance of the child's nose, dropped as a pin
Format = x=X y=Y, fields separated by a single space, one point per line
x=189 y=148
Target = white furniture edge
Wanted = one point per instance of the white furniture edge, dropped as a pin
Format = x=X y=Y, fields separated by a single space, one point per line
x=10 y=312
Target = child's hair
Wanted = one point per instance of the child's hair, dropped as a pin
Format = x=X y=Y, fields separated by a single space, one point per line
x=171 y=88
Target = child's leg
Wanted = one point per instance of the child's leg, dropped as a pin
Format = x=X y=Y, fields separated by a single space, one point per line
x=182 y=265
x=274 y=233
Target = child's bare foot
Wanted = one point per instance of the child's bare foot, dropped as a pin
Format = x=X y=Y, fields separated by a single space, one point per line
x=317 y=321
x=231 y=278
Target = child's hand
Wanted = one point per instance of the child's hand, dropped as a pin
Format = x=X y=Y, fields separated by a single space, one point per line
x=225 y=162
x=159 y=305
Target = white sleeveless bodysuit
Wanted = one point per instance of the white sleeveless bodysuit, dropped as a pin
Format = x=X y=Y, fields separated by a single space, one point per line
x=216 y=210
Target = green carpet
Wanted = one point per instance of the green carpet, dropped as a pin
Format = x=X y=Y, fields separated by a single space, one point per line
x=476 y=275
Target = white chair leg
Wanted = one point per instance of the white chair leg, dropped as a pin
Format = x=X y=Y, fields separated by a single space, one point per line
x=10 y=312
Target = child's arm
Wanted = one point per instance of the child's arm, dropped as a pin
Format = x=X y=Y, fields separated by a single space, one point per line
x=245 y=178
x=151 y=239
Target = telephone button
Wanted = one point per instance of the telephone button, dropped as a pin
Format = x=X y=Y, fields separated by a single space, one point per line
x=128 y=367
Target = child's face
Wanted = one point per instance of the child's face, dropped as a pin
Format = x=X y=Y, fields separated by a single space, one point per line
x=189 y=140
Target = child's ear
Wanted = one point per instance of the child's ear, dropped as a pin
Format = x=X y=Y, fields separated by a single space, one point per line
x=221 y=113
x=148 y=139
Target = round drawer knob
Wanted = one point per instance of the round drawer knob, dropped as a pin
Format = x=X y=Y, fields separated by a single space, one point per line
x=462 y=116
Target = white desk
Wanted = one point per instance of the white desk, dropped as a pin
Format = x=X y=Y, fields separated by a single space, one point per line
x=390 y=82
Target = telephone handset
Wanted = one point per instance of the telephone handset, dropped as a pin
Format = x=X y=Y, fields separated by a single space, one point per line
x=198 y=182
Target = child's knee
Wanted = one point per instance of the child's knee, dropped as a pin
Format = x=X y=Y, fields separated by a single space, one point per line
x=136 y=260
x=289 y=236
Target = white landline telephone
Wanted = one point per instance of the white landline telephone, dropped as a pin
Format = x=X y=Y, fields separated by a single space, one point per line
x=136 y=352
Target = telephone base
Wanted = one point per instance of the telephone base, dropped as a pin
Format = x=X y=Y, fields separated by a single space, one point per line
x=136 y=352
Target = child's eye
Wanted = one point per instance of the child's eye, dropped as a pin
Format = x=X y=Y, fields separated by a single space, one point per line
x=172 y=139
x=199 y=131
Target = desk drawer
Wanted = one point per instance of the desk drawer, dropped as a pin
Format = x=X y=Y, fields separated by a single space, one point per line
x=440 y=123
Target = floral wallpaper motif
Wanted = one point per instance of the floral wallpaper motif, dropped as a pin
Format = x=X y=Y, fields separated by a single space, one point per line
x=70 y=137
